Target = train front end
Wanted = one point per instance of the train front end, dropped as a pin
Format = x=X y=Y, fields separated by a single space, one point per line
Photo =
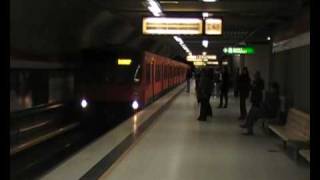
x=108 y=87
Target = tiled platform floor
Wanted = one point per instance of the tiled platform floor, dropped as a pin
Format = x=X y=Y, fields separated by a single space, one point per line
x=178 y=147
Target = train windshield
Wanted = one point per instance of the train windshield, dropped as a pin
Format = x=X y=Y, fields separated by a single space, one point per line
x=111 y=72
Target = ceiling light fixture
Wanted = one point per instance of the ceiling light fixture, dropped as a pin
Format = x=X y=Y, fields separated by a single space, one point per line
x=154 y=7
x=181 y=43
x=169 y=2
x=268 y=38
x=205 y=14
x=205 y=43
x=209 y=0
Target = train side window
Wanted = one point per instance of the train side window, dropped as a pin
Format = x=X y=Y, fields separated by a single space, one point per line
x=148 y=73
x=162 y=72
x=159 y=66
x=165 y=72
x=157 y=72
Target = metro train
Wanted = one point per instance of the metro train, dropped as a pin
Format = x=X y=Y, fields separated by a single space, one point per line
x=132 y=78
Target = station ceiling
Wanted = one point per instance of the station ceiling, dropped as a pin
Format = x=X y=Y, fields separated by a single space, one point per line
x=55 y=27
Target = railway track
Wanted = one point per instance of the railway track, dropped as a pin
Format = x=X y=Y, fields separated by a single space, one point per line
x=39 y=143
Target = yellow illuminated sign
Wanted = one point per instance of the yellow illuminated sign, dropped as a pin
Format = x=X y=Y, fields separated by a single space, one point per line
x=195 y=58
x=213 y=26
x=213 y=62
x=126 y=62
x=201 y=57
x=196 y=63
x=171 y=26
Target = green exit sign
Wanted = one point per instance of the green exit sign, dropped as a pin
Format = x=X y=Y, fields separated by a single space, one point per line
x=238 y=50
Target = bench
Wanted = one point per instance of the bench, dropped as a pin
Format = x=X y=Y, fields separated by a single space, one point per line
x=305 y=153
x=296 y=129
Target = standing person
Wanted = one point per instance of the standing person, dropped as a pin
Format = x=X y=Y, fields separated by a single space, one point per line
x=213 y=82
x=269 y=108
x=244 y=89
x=224 y=87
x=188 y=77
x=197 y=87
x=257 y=90
x=205 y=87
x=236 y=80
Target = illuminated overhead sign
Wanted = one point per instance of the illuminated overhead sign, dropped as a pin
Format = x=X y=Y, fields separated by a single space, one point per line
x=201 y=57
x=199 y=63
x=124 y=62
x=238 y=50
x=211 y=57
x=213 y=26
x=212 y=62
x=171 y=26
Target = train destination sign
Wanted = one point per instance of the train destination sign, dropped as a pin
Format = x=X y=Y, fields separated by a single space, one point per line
x=238 y=50
x=124 y=62
x=172 y=26
x=213 y=26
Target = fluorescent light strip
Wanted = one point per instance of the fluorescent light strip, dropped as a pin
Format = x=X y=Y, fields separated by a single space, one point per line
x=154 y=7
x=209 y=0
x=181 y=43
x=169 y=2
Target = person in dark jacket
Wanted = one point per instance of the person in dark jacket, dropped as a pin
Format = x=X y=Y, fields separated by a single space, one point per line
x=236 y=80
x=188 y=77
x=197 y=87
x=216 y=82
x=224 y=88
x=257 y=90
x=205 y=88
x=244 y=89
x=269 y=108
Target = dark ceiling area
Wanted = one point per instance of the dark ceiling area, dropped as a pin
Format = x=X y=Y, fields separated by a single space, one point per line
x=47 y=27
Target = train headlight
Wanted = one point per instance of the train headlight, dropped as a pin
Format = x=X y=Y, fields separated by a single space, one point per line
x=135 y=105
x=84 y=103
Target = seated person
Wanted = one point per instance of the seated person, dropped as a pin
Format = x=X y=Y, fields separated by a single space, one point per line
x=269 y=108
